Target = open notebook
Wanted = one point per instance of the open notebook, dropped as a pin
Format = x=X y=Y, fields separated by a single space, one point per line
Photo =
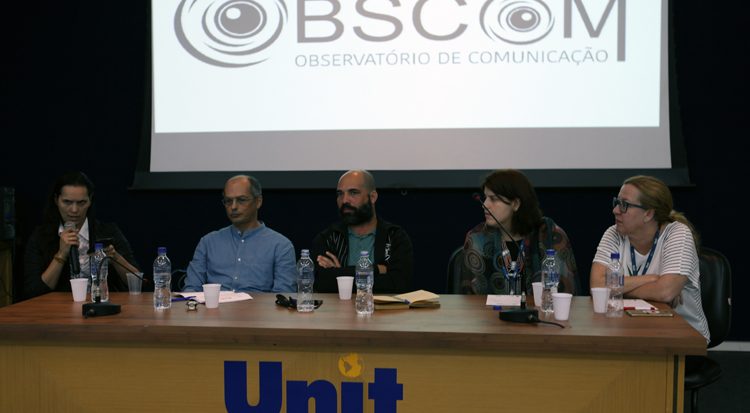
x=414 y=299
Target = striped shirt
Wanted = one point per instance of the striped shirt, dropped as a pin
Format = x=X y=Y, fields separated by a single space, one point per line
x=675 y=254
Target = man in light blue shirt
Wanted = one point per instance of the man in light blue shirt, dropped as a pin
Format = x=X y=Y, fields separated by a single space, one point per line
x=247 y=255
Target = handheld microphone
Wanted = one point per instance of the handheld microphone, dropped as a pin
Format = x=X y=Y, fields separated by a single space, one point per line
x=75 y=265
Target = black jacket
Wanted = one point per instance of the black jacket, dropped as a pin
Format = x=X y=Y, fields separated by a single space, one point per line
x=392 y=248
x=41 y=247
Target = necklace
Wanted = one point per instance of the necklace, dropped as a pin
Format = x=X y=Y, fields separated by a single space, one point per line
x=511 y=268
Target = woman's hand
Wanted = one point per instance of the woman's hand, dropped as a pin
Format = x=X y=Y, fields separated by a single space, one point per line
x=68 y=239
x=110 y=251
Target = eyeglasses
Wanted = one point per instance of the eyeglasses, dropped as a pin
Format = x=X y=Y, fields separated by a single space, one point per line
x=241 y=200
x=624 y=205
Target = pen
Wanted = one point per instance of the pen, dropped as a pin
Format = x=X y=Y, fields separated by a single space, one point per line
x=182 y=298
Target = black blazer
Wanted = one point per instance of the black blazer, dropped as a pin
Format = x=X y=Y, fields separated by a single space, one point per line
x=41 y=248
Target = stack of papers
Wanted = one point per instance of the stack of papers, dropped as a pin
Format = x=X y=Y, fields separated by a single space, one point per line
x=414 y=299
x=224 y=296
x=504 y=300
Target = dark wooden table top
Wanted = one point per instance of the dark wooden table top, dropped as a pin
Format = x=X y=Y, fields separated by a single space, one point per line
x=462 y=322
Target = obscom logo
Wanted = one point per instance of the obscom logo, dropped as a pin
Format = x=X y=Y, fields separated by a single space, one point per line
x=236 y=33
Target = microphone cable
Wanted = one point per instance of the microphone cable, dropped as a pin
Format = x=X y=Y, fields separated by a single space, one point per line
x=478 y=198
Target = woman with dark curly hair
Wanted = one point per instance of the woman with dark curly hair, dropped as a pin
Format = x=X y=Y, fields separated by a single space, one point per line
x=521 y=235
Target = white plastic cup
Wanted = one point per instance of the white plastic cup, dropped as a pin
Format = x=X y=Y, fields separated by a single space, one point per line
x=561 y=305
x=134 y=282
x=79 y=286
x=537 y=287
x=211 y=294
x=345 y=287
x=600 y=296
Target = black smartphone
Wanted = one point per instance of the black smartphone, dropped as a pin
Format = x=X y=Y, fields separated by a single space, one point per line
x=106 y=242
x=291 y=303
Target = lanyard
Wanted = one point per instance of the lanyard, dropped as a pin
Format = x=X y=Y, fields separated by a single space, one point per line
x=506 y=265
x=648 y=260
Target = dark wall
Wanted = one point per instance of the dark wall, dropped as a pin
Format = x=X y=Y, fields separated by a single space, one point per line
x=73 y=96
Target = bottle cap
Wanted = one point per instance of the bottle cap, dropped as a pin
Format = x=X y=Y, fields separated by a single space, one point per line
x=550 y=251
x=364 y=253
x=161 y=250
x=305 y=253
x=98 y=246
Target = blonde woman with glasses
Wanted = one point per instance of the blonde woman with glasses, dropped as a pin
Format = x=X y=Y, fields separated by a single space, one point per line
x=658 y=246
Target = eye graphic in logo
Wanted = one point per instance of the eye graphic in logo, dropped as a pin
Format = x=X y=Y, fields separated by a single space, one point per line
x=516 y=21
x=229 y=33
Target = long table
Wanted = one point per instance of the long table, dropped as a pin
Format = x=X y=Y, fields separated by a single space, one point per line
x=255 y=356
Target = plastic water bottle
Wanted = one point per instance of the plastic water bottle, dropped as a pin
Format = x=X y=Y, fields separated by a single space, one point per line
x=99 y=270
x=305 y=281
x=364 y=278
x=615 y=283
x=162 y=280
x=550 y=279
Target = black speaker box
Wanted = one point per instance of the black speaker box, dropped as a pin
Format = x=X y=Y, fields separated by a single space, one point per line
x=520 y=316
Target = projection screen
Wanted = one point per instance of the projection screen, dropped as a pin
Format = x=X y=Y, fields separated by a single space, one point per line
x=426 y=93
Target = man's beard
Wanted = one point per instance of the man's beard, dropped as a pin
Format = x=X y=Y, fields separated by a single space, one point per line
x=355 y=216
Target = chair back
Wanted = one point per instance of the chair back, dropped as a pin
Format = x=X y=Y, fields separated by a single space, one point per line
x=453 y=283
x=178 y=279
x=716 y=293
